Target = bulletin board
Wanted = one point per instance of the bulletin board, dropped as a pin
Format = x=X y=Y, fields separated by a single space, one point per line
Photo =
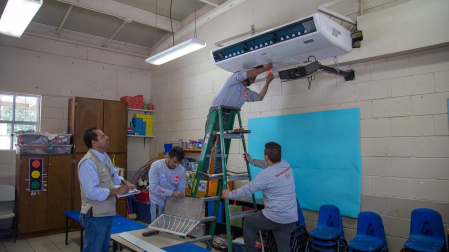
x=323 y=150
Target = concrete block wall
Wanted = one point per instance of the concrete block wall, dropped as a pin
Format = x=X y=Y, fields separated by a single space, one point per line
x=403 y=111
x=58 y=71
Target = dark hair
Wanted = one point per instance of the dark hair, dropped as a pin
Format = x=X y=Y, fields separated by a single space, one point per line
x=90 y=135
x=176 y=152
x=273 y=151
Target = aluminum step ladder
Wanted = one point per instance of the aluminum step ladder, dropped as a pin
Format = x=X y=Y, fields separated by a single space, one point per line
x=226 y=134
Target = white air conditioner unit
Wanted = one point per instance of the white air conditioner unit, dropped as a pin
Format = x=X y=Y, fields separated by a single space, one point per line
x=287 y=45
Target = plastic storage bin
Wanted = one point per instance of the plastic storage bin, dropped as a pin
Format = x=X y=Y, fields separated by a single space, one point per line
x=43 y=138
x=44 y=149
x=62 y=139
x=142 y=210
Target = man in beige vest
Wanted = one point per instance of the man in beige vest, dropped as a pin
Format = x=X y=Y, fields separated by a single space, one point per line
x=98 y=179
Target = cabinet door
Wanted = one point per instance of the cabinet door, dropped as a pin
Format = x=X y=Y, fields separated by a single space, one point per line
x=116 y=124
x=88 y=114
x=76 y=183
x=120 y=161
x=32 y=210
x=59 y=190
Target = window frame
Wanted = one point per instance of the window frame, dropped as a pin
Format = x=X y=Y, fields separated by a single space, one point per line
x=14 y=122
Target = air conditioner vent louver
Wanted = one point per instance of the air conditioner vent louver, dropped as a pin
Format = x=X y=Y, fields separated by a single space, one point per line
x=286 y=45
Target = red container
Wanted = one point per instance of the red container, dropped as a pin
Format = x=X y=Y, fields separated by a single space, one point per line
x=138 y=98
x=143 y=196
x=127 y=98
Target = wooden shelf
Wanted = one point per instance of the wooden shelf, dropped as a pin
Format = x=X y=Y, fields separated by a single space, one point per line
x=141 y=110
x=192 y=150
x=139 y=136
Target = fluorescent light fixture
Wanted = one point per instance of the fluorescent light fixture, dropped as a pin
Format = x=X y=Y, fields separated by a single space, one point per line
x=17 y=15
x=176 y=51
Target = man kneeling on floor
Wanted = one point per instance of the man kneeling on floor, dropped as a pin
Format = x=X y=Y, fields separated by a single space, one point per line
x=278 y=186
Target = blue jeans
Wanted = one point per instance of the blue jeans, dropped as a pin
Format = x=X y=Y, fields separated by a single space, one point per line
x=257 y=221
x=97 y=233
x=155 y=211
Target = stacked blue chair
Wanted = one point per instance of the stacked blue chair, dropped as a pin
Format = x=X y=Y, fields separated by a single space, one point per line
x=328 y=235
x=370 y=235
x=426 y=232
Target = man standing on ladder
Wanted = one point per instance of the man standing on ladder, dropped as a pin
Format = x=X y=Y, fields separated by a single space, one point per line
x=278 y=186
x=234 y=93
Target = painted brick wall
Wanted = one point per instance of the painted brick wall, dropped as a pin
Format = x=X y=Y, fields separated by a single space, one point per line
x=403 y=111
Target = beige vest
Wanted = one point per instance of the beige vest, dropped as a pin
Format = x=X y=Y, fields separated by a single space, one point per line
x=99 y=208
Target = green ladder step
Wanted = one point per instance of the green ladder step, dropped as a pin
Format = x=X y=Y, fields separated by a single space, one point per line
x=228 y=133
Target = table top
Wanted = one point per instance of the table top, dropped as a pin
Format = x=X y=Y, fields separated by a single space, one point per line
x=162 y=240
x=120 y=224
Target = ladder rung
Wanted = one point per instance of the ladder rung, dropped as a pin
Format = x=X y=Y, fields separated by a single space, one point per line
x=206 y=219
x=240 y=214
x=207 y=176
x=238 y=177
x=232 y=136
x=200 y=239
x=216 y=155
x=210 y=198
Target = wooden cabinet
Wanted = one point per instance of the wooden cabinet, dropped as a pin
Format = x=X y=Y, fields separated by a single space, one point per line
x=42 y=212
x=109 y=116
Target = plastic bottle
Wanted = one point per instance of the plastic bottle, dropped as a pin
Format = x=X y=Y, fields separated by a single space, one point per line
x=200 y=143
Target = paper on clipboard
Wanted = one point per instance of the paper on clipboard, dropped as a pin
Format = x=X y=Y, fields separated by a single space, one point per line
x=131 y=192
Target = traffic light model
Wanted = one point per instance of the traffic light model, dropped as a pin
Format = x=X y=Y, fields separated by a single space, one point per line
x=36 y=169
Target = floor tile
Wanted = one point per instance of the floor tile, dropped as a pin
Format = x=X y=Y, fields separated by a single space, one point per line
x=55 y=238
x=46 y=248
x=21 y=250
x=71 y=249
x=39 y=241
x=19 y=245
x=61 y=245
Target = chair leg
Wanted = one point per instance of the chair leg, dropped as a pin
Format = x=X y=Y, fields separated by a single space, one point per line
x=14 y=229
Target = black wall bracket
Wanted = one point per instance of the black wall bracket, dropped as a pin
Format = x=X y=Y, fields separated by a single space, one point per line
x=310 y=69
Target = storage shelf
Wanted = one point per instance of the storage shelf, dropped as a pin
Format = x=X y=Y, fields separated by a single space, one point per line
x=141 y=110
x=192 y=150
x=139 y=136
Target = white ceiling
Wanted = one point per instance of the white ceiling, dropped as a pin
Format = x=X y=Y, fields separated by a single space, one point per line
x=143 y=24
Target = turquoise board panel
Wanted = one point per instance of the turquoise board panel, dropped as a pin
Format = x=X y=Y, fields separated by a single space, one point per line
x=323 y=149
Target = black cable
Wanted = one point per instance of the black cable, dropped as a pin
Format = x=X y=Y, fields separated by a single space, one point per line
x=310 y=79
x=171 y=23
x=155 y=28
x=194 y=35
x=311 y=56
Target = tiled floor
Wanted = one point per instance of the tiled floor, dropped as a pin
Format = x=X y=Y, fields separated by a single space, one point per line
x=49 y=243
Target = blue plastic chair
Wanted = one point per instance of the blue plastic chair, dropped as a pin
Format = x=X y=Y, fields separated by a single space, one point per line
x=329 y=234
x=370 y=235
x=426 y=232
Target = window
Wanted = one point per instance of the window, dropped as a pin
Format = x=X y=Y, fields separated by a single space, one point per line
x=17 y=112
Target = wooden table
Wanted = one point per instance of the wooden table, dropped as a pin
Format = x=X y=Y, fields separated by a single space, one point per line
x=162 y=240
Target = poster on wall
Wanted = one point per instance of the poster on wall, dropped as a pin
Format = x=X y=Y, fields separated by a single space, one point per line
x=323 y=149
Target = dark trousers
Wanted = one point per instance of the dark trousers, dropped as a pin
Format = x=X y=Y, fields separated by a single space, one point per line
x=257 y=221
x=215 y=140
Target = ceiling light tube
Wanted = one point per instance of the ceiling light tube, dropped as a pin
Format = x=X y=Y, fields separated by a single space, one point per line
x=17 y=15
x=176 y=51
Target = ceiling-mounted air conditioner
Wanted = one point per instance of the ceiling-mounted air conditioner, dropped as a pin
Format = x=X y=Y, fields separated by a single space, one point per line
x=287 y=45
